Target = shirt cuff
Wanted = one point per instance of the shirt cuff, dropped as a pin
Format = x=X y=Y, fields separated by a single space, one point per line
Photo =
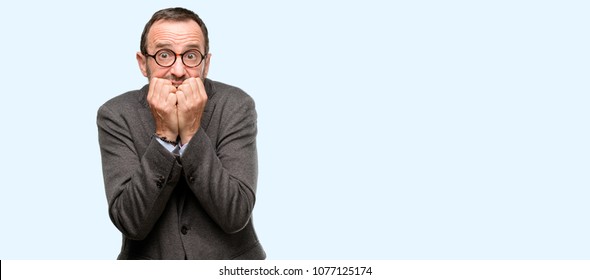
x=171 y=148
x=182 y=148
x=168 y=146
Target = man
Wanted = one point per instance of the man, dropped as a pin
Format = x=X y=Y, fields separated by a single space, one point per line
x=179 y=155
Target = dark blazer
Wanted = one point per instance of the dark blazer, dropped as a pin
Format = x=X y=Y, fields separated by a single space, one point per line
x=195 y=206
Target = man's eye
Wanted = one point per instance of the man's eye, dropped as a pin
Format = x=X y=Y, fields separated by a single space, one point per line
x=164 y=55
x=191 y=56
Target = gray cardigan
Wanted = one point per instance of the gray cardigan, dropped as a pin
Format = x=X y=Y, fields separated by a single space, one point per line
x=195 y=206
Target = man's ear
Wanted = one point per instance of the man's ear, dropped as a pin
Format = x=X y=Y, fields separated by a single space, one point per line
x=142 y=62
x=207 y=63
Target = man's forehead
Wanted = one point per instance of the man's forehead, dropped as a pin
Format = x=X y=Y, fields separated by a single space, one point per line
x=169 y=33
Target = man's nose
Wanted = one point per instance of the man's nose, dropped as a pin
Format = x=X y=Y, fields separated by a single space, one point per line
x=177 y=69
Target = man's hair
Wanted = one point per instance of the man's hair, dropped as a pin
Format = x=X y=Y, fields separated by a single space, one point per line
x=173 y=14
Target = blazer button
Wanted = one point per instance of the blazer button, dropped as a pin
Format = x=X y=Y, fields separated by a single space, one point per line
x=191 y=179
x=160 y=181
x=184 y=230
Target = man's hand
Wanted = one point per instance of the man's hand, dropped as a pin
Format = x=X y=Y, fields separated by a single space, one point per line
x=162 y=100
x=192 y=99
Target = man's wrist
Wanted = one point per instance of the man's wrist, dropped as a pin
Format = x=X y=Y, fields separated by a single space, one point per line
x=166 y=139
x=184 y=139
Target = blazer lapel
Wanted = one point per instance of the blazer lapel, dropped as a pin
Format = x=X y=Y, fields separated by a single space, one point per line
x=146 y=126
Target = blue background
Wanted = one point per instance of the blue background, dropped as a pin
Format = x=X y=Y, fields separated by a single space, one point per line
x=387 y=129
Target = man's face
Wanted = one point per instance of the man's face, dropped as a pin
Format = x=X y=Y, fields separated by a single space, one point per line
x=179 y=37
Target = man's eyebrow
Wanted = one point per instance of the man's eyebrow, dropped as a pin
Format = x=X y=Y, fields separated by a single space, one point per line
x=193 y=46
x=160 y=45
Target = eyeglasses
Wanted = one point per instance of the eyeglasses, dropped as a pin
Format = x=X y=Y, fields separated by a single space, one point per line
x=166 y=57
